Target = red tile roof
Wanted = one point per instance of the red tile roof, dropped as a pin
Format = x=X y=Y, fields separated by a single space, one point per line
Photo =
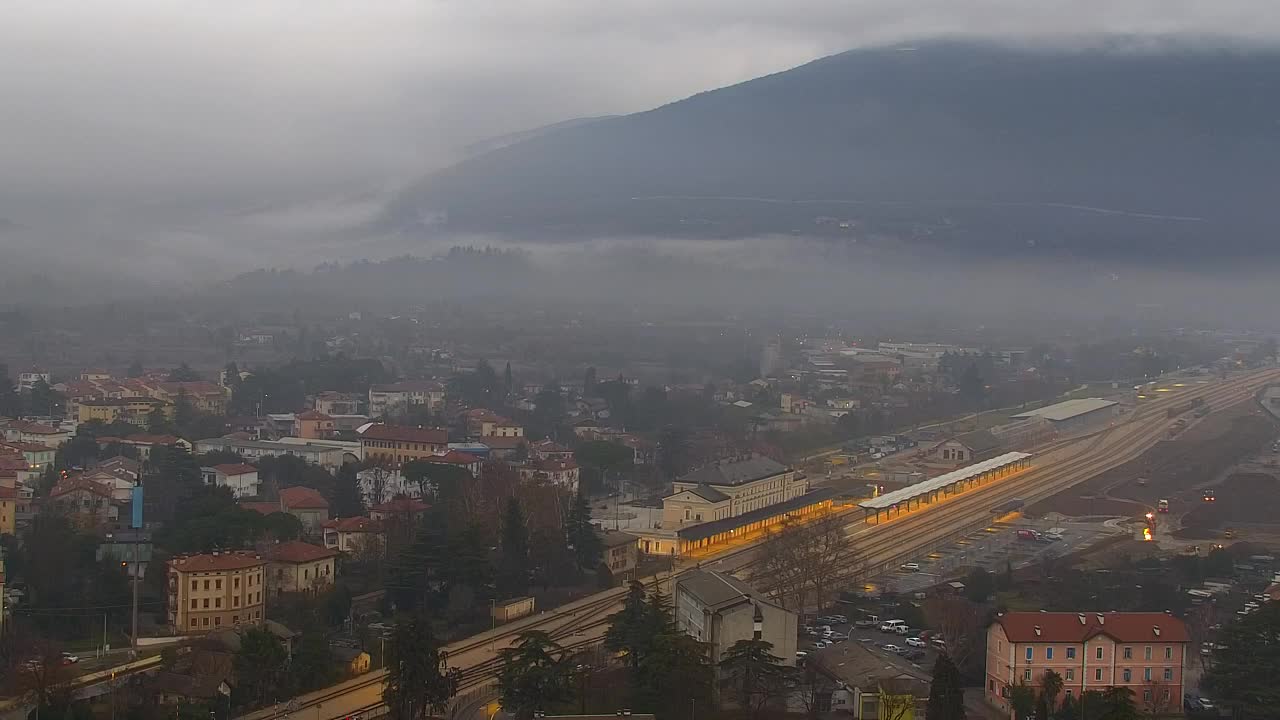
x=197 y=387
x=264 y=508
x=141 y=439
x=296 y=551
x=302 y=498
x=74 y=484
x=409 y=386
x=455 y=457
x=1078 y=627
x=503 y=443
x=8 y=493
x=312 y=415
x=405 y=433
x=33 y=428
x=401 y=504
x=354 y=525
x=26 y=446
x=213 y=562
x=234 y=469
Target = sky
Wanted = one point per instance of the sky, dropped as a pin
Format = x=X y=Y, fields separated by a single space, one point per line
x=136 y=123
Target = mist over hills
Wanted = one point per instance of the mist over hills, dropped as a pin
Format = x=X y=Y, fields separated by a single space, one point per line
x=1158 y=150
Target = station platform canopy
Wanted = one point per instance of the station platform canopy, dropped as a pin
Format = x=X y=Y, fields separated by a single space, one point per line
x=944 y=482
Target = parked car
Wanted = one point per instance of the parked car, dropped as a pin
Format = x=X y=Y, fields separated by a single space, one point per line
x=69 y=659
x=839 y=620
x=915 y=656
x=903 y=630
x=838 y=637
x=916 y=642
x=889 y=626
x=800 y=654
x=892 y=648
x=910 y=567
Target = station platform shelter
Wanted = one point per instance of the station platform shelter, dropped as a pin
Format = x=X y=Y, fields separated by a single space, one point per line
x=708 y=536
x=904 y=500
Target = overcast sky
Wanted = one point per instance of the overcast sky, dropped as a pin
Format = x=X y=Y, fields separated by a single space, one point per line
x=221 y=103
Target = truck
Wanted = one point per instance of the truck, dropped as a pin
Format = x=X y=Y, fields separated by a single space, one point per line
x=1162 y=506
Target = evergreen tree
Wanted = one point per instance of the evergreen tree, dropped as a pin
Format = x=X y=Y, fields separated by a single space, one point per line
x=415 y=687
x=183 y=373
x=508 y=383
x=589 y=382
x=158 y=422
x=581 y=534
x=757 y=675
x=675 y=678
x=1119 y=704
x=10 y=401
x=44 y=400
x=534 y=675
x=135 y=369
x=259 y=666
x=628 y=628
x=347 y=501
x=184 y=413
x=1068 y=709
x=946 y=695
x=513 y=574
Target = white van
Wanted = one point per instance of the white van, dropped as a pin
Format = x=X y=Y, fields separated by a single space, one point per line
x=891 y=626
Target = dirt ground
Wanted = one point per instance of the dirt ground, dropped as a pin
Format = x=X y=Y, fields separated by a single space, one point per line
x=1175 y=469
x=1246 y=498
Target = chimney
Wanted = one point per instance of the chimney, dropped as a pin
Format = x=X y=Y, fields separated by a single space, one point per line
x=1081 y=616
x=1155 y=629
x=1102 y=620
x=1038 y=633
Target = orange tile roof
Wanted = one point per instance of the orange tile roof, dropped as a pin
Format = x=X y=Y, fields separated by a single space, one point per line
x=8 y=493
x=405 y=433
x=455 y=457
x=1078 y=627
x=264 y=508
x=74 y=484
x=302 y=498
x=354 y=525
x=296 y=551
x=234 y=469
x=213 y=562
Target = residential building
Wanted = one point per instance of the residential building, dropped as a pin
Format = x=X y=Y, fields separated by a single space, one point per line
x=314 y=425
x=397 y=399
x=30 y=378
x=456 y=458
x=968 y=448
x=859 y=679
x=378 y=485
x=504 y=448
x=144 y=444
x=8 y=511
x=296 y=566
x=354 y=535
x=326 y=456
x=242 y=479
x=401 y=508
x=336 y=403
x=119 y=480
x=730 y=487
x=550 y=450
x=621 y=553
x=560 y=472
x=89 y=504
x=38 y=457
x=216 y=591
x=719 y=610
x=394 y=445
x=1145 y=652
x=206 y=397
x=27 y=431
x=306 y=504
x=476 y=418
x=132 y=410
x=500 y=427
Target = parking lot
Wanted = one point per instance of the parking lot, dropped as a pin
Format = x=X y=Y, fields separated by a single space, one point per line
x=908 y=647
x=993 y=548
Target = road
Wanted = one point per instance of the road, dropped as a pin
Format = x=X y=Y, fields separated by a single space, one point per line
x=877 y=547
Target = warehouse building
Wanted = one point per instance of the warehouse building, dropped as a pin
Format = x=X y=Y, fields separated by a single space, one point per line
x=1073 y=415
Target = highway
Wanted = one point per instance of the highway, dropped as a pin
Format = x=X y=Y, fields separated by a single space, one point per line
x=876 y=547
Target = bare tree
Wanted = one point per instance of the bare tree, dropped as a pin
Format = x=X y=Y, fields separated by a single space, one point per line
x=378 y=476
x=894 y=706
x=1199 y=621
x=803 y=563
x=959 y=622
x=1157 y=698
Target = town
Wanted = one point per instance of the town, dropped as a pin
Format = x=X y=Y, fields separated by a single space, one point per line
x=834 y=527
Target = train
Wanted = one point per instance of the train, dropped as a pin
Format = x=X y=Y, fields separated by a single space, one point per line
x=1187 y=406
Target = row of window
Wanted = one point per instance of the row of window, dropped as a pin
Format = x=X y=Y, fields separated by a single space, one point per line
x=394 y=445
x=217 y=582
x=217 y=620
x=217 y=602
x=1126 y=675
x=1146 y=692
x=1127 y=653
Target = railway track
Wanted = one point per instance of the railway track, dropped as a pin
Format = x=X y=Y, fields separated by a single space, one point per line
x=877 y=546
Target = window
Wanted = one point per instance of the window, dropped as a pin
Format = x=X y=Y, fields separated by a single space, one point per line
x=193 y=604
x=206 y=603
x=257 y=615
x=217 y=621
x=306 y=574
x=1068 y=693
x=1097 y=674
x=1048 y=653
x=235 y=618
x=991 y=685
x=204 y=622
x=206 y=584
x=1168 y=674
x=194 y=584
x=1071 y=653
x=193 y=622
x=217 y=584
x=1168 y=653
x=1128 y=653
x=1146 y=653
x=1127 y=675
x=235 y=601
x=217 y=603
x=1026 y=675
x=1031 y=652
x=1099 y=655
x=1146 y=674
x=1146 y=695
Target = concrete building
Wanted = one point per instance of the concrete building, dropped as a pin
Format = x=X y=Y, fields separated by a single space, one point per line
x=394 y=445
x=1145 y=652
x=354 y=535
x=216 y=591
x=296 y=566
x=970 y=447
x=398 y=398
x=326 y=456
x=28 y=379
x=859 y=679
x=719 y=610
x=559 y=472
x=728 y=488
x=1074 y=415
x=621 y=553
x=336 y=403
x=313 y=425
x=132 y=410
x=241 y=478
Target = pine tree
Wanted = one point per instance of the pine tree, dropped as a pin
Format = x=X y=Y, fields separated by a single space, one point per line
x=10 y=401
x=946 y=696
x=347 y=500
x=581 y=534
x=513 y=574
x=507 y=382
x=628 y=628
x=415 y=684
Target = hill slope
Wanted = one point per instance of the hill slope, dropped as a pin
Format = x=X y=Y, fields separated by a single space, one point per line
x=988 y=149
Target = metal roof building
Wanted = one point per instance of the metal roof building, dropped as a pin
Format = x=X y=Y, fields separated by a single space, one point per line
x=1069 y=410
x=951 y=483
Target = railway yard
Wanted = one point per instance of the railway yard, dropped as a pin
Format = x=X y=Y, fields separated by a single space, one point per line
x=936 y=535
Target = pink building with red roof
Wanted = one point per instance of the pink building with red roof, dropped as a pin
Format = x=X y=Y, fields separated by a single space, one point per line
x=1144 y=651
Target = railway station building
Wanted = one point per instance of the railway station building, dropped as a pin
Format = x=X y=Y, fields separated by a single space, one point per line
x=1074 y=415
x=930 y=491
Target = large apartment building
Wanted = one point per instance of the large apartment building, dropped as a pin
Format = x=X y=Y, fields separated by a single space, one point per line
x=395 y=445
x=214 y=591
x=728 y=488
x=398 y=398
x=1143 y=651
